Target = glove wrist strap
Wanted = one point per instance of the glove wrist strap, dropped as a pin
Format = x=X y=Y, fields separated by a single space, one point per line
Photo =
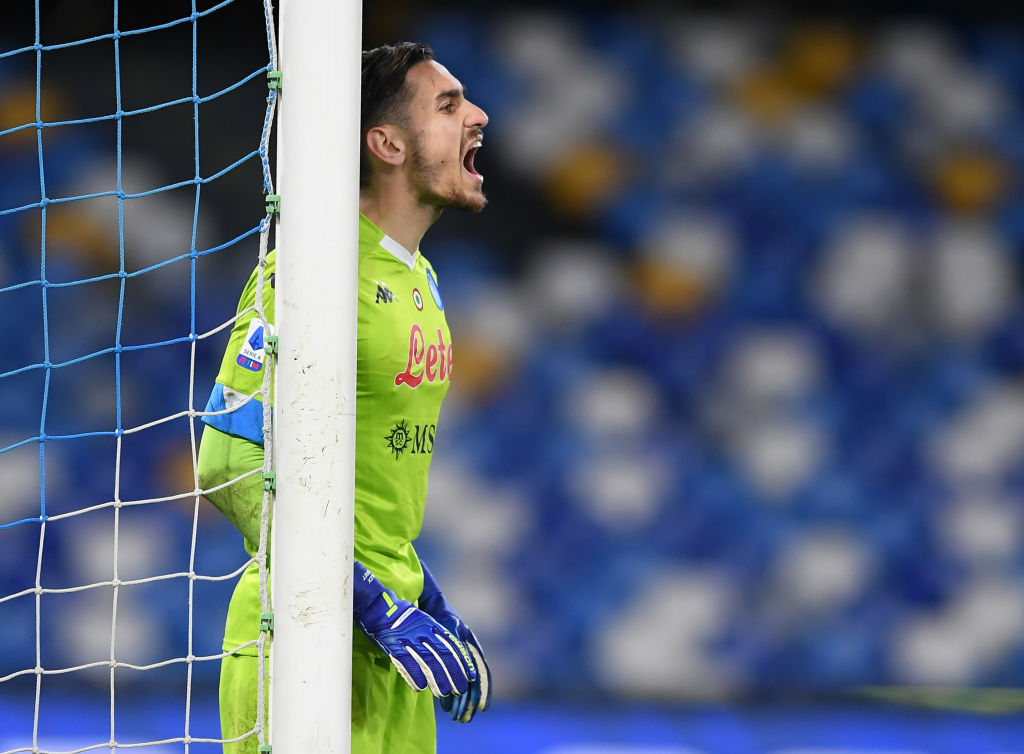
x=365 y=588
x=432 y=599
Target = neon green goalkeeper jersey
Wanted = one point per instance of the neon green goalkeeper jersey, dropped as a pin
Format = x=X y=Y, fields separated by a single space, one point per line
x=404 y=364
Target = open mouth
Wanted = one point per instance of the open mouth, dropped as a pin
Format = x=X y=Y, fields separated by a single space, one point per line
x=467 y=161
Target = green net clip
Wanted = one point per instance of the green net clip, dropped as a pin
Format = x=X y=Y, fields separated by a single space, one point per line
x=270 y=345
x=265 y=749
x=274 y=81
x=269 y=480
x=273 y=204
x=267 y=622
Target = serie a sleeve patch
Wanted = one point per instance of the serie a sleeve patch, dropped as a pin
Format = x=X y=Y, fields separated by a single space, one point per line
x=251 y=355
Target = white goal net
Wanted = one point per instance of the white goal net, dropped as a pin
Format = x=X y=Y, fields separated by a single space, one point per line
x=135 y=166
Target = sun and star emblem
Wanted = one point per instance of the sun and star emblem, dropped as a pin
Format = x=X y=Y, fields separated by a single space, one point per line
x=399 y=438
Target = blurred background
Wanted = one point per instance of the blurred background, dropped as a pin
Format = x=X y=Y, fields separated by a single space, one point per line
x=737 y=418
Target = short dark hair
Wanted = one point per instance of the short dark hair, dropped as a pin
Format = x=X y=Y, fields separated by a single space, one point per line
x=384 y=90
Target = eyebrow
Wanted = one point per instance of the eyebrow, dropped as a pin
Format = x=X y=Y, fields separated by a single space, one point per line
x=451 y=93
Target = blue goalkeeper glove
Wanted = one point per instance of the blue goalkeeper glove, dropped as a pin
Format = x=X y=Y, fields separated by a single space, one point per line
x=433 y=603
x=426 y=654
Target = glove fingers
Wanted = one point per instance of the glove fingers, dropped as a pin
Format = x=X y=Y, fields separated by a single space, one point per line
x=433 y=669
x=457 y=664
x=412 y=675
x=461 y=704
x=483 y=678
x=473 y=704
x=462 y=654
x=446 y=702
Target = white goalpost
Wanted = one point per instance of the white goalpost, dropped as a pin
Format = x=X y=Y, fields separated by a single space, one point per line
x=314 y=407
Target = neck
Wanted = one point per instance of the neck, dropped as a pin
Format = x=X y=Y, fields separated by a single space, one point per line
x=398 y=213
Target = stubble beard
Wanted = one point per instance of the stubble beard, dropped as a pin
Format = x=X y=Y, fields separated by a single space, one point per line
x=426 y=177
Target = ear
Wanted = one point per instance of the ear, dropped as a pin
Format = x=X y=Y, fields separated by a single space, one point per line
x=387 y=144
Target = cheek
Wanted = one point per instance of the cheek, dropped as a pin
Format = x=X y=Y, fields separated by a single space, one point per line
x=440 y=149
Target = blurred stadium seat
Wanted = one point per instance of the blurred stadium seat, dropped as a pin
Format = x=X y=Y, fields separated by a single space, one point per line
x=737 y=405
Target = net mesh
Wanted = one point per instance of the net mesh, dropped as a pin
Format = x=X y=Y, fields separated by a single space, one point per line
x=113 y=574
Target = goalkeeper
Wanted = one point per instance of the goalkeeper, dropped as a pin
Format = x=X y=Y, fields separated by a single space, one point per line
x=419 y=138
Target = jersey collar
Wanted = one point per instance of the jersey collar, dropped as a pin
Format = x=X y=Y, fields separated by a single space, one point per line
x=399 y=252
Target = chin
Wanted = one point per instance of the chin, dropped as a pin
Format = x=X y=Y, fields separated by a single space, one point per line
x=476 y=203
x=474 y=200
x=454 y=195
x=464 y=200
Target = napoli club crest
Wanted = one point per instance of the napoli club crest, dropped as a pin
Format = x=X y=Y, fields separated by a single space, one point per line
x=434 y=290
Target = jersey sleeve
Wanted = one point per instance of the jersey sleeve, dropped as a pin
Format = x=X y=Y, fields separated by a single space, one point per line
x=235 y=405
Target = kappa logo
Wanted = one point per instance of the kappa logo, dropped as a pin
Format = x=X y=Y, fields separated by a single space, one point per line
x=384 y=294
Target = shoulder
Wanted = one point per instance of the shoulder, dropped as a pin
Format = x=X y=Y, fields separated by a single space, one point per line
x=423 y=264
x=265 y=273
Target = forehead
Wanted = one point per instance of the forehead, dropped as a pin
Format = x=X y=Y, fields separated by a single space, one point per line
x=429 y=79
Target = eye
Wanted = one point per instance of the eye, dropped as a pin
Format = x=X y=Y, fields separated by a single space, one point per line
x=449 y=107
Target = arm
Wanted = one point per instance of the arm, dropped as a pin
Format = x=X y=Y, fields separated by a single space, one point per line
x=223 y=457
x=232 y=442
x=434 y=604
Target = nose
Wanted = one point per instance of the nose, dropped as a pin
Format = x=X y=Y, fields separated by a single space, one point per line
x=477 y=117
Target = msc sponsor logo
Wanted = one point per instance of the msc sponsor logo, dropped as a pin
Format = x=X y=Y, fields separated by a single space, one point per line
x=426 y=361
x=418 y=439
